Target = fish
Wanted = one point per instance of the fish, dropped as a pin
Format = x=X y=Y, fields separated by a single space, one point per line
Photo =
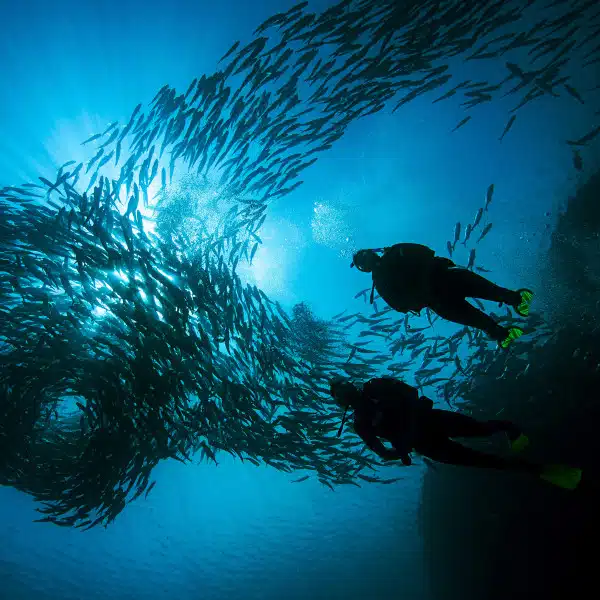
x=362 y=293
x=347 y=318
x=456 y=234
x=573 y=92
x=515 y=70
x=445 y=96
x=507 y=127
x=67 y=164
x=462 y=123
x=468 y=230
x=450 y=248
x=105 y=159
x=586 y=138
x=118 y=152
x=577 y=160
x=471 y=262
x=113 y=136
x=477 y=218
x=132 y=205
x=478 y=302
x=458 y=364
x=109 y=128
x=485 y=231
x=488 y=196
x=149 y=489
x=94 y=159
x=230 y=51
x=91 y=139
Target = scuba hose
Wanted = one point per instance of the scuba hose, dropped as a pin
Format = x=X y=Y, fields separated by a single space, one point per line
x=339 y=433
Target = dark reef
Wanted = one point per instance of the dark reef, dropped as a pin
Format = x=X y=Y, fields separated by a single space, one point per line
x=498 y=535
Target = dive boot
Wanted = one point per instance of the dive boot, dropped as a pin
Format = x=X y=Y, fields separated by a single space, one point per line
x=562 y=476
x=522 y=308
x=514 y=333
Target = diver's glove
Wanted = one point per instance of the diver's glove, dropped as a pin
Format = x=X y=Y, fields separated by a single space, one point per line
x=395 y=455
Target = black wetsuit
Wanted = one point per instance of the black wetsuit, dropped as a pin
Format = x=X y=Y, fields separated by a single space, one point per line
x=393 y=410
x=409 y=277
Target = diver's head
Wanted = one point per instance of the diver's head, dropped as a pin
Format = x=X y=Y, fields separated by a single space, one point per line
x=365 y=260
x=345 y=393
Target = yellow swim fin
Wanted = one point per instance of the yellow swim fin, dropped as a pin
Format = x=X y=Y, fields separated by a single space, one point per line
x=522 y=308
x=514 y=333
x=519 y=443
x=562 y=476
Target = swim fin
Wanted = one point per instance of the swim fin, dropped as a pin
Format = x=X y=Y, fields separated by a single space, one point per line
x=522 y=308
x=519 y=443
x=514 y=333
x=562 y=476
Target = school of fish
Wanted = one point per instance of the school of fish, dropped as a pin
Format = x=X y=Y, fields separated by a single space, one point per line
x=152 y=337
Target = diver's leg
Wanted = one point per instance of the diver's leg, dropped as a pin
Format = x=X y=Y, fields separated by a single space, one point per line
x=458 y=310
x=455 y=424
x=472 y=285
x=450 y=452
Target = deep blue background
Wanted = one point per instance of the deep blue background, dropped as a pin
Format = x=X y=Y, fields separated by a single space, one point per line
x=67 y=69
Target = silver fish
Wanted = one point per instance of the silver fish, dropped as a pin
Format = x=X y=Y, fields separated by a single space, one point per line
x=471 y=262
x=468 y=231
x=488 y=196
x=462 y=123
x=456 y=233
x=508 y=126
x=485 y=231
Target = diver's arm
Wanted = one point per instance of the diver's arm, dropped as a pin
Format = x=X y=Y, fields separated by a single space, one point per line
x=425 y=403
x=376 y=445
x=396 y=393
x=403 y=448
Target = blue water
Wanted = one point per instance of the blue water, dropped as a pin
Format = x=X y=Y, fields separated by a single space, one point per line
x=236 y=531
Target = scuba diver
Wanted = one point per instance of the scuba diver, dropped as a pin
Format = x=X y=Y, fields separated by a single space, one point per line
x=392 y=410
x=409 y=277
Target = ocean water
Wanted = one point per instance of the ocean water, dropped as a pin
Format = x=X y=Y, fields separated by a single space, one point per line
x=236 y=531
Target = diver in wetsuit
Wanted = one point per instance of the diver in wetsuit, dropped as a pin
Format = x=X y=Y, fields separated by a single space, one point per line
x=389 y=409
x=409 y=277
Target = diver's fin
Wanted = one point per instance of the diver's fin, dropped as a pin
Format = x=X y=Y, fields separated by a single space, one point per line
x=519 y=443
x=522 y=308
x=562 y=476
x=514 y=333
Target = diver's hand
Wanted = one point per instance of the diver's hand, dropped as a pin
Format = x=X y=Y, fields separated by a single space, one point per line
x=395 y=455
